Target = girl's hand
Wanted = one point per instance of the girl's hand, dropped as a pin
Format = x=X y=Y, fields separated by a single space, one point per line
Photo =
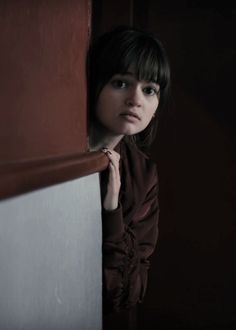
x=111 y=198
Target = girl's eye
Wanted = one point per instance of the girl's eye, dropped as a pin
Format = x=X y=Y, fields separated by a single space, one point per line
x=149 y=90
x=118 y=83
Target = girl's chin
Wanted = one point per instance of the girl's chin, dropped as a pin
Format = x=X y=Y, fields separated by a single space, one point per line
x=125 y=130
x=129 y=133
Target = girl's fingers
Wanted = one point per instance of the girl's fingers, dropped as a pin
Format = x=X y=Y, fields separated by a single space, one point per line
x=113 y=186
x=114 y=175
x=113 y=156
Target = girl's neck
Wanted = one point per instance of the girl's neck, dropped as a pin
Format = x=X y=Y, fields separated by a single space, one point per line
x=99 y=138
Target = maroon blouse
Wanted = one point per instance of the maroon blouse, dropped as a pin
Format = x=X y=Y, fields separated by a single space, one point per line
x=130 y=232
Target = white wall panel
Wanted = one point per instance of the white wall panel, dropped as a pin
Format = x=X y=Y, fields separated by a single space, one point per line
x=50 y=258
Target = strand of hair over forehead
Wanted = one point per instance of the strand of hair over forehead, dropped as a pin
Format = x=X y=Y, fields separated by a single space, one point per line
x=132 y=48
x=146 y=55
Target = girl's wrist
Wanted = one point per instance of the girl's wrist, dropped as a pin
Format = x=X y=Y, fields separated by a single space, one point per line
x=111 y=205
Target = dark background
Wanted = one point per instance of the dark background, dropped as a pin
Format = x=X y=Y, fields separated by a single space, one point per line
x=192 y=282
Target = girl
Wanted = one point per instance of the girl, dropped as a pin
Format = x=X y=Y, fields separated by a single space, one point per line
x=128 y=75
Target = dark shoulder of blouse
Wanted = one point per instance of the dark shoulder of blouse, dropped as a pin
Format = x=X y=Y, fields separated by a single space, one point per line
x=130 y=232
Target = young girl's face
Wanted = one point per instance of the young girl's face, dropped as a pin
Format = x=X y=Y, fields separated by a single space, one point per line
x=125 y=105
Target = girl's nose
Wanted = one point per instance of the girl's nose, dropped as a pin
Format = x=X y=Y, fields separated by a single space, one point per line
x=134 y=97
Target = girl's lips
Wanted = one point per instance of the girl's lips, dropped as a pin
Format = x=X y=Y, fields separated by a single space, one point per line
x=130 y=115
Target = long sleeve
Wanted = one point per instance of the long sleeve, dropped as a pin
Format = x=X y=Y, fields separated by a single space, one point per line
x=129 y=239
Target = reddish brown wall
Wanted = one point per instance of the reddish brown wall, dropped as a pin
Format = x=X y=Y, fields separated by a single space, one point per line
x=43 y=90
x=43 y=100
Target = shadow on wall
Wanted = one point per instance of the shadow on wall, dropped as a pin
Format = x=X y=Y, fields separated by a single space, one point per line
x=193 y=276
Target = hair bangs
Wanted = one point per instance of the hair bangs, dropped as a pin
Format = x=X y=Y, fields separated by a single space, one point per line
x=145 y=60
